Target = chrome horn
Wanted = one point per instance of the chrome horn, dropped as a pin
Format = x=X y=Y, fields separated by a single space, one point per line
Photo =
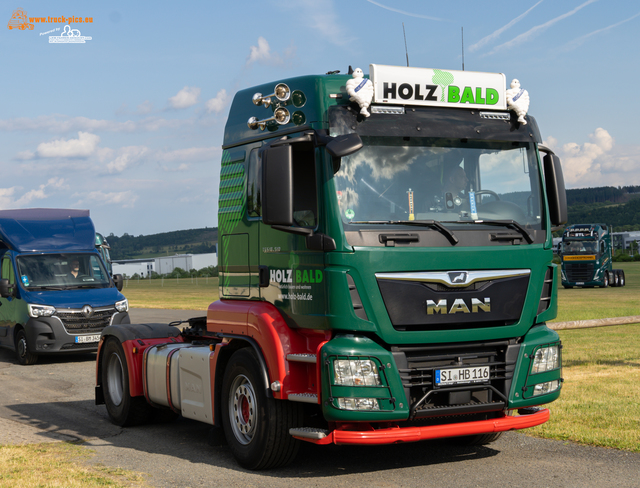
x=281 y=92
x=280 y=116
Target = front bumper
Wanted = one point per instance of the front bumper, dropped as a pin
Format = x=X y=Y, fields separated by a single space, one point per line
x=47 y=335
x=395 y=434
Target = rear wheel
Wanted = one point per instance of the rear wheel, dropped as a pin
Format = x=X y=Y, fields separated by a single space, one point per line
x=256 y=427
x=616 y=278
x=123 y=409
x=623 y=280
x=25 y=356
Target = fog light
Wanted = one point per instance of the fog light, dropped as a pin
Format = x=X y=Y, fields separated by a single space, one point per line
x=546 y=359
x=358 y=403
x=544 y=388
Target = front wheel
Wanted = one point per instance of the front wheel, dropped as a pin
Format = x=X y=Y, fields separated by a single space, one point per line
x=605 y=280
x=256 y=427
x=123 y=409
x=25 y=356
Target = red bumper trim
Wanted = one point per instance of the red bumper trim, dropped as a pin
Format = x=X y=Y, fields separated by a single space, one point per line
x=395 y=435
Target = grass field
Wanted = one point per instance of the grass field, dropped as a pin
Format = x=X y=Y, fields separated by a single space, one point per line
x=600 y=400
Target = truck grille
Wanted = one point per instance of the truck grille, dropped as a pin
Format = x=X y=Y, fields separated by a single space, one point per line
x=417 y=366
x=75 y=322
x=579 y=272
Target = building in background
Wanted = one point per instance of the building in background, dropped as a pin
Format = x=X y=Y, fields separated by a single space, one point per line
x=164 y=265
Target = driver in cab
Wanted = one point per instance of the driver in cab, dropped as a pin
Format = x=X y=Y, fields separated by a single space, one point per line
x=74 y=271
x=455 y=187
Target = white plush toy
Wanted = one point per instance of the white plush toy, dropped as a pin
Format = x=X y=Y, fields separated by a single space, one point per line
x=518 y=101
x=360 y=90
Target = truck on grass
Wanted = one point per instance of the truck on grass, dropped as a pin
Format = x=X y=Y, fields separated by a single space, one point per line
x=385 y=273
x=586 y=253
x=56 y=295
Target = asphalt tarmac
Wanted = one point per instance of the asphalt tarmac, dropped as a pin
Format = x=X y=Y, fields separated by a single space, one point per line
x=53 y=400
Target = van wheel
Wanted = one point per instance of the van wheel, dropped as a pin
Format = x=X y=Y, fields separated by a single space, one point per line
x=256 y=427
x=123 y=409
x=25 y=356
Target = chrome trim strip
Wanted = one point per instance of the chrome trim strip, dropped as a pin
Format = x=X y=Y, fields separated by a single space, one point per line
x=443 y=278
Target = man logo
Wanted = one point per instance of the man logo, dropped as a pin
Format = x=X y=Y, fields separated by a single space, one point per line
x=458 y=277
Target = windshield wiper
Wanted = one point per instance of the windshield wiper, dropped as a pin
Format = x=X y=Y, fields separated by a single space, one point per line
x=502 y=223
x=47 y=287
x=418 y=223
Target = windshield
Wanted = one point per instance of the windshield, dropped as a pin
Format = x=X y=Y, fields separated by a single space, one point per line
x=62 y=271
x=580 y=247
x=402 y=178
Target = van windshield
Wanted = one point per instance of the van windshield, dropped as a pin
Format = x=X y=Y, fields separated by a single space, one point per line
x=62 y=271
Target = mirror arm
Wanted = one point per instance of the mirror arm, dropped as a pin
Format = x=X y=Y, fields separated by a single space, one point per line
x=300 y=231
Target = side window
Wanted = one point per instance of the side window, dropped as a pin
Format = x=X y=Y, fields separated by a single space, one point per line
x=601 y=247
x=7 y=270
x=254 y=185
x=305 y=193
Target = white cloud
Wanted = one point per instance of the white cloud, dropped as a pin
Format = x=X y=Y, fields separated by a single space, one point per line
x=580 y=40
x=126 y=157
x=495 y=34
x=187 y=97
x=598 y=162
x=218 y=103
x=125 y=199
x=145 y=107
x=7 y=195
x=82 y=147
x=62 y=124
x=405 y=13
x=538 y=29
x=262 y=53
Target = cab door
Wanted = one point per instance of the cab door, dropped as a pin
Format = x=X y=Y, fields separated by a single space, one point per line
x=9 y=307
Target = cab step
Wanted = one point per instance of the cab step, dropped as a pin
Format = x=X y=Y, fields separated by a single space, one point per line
x=303 y=397
x=302 y=358
x=309 y=432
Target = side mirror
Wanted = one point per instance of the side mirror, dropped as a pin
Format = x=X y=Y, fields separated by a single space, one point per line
x=556 y=193
x=119 y=281
x=6 y=290
x=277 y=185
x=341 y=146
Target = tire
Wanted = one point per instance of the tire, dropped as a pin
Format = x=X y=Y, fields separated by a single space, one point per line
x=605 y=280
x=616 y=278
x=623 y=280
x=123 y=409
x=256 y=427
x=25 y=356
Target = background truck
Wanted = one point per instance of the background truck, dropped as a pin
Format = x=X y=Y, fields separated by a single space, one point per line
x=586 y=254
x=56 y=295
x=385 y=276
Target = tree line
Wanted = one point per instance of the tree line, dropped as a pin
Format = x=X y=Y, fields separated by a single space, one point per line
x=192 y=241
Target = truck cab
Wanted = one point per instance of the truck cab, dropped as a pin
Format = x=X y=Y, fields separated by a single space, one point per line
x=386 y=275
x=587 y=257
x=56 y=296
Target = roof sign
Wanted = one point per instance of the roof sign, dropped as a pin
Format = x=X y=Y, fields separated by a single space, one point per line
x=438 y=88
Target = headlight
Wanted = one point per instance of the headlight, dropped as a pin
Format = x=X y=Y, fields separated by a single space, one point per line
x=355 y=372
x=548 y=387
x=122 y=305
x=36 y=311
x=358 y=403
x=546 y=359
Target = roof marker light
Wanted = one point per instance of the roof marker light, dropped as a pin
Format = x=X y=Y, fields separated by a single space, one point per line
x=387 y=110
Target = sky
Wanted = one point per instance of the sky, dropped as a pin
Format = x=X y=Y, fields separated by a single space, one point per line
x=129 y=124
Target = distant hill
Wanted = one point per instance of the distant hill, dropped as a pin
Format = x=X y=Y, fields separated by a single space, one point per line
x=194 y=241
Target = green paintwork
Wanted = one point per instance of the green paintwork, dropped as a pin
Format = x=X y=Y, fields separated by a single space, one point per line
x=310 y=287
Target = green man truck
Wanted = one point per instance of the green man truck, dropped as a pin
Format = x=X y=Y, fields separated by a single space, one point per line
x=587 y=257
x=385 y=273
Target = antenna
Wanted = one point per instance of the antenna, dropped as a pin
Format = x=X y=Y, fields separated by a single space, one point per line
x=405 y=44
x=462 y=31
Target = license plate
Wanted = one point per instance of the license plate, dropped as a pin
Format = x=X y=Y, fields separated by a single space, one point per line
x=462 y=376
x=87 y=339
